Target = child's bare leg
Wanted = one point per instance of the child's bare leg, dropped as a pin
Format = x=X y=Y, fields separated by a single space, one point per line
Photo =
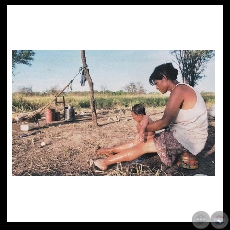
x=127 y=154
x=115 y=149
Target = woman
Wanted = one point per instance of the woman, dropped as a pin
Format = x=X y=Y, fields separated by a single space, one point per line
x=184 y=124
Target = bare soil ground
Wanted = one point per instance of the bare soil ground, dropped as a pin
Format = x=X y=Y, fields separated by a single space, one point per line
x=64 y=148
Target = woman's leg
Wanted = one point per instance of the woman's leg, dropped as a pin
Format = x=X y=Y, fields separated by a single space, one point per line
x=127 y=154
x=115 y=149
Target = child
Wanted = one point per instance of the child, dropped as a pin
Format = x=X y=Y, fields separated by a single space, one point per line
x=139 y=115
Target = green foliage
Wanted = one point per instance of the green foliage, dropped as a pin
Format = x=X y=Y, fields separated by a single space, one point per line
x=104 y=103
x=209 y=98
x=23 y=105
x=192 y=64
x=82 y=104
x=81 y=100
x=22 y=57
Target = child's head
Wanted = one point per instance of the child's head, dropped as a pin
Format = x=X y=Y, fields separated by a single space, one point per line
x=138 y=109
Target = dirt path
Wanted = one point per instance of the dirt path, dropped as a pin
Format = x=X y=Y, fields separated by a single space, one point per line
x=64 y=148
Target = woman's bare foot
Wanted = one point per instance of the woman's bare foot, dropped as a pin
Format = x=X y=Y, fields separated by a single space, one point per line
x=100 y=164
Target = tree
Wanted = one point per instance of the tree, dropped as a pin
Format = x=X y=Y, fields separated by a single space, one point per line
x=103 y=88
x=21 y=57
x=131 y=88
x=140 y=88
x=92 y=101
x=135 y=88
x=52 y=91
x=25 y=90
x=192 y=63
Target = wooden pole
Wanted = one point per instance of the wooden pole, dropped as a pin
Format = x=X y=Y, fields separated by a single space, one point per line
x=90 y=82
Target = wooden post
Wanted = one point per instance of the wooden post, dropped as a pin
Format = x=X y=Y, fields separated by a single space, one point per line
x=92 y=101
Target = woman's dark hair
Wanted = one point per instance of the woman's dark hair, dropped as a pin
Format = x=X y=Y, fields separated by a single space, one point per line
x=138 y=109
x=166 y=69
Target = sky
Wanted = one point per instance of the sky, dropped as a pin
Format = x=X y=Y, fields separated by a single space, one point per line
x=123 y=43
x=109 y=69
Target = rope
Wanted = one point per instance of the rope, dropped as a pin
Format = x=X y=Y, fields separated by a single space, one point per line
x=41 y=109
x=80 y=71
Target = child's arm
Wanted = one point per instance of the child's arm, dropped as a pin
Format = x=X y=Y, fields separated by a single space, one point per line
x=144 y=124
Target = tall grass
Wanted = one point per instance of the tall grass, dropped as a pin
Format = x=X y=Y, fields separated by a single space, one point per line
x=209 y=98
x=25 y=103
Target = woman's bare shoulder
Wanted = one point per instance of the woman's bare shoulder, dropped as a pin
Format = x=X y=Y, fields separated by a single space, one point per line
x=185 y=95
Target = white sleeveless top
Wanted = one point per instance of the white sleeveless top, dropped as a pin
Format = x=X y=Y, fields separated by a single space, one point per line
x=190 y=126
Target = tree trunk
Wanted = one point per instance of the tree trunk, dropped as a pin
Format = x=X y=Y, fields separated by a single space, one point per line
x=92 y=101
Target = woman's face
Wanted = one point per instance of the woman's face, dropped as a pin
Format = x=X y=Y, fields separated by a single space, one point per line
x=162 y=85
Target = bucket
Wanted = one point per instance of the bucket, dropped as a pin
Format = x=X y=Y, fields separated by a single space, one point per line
x=53 y=114
x=50 y=115
x=57 y=116
x=69 y=113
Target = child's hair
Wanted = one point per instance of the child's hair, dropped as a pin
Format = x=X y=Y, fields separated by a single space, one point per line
x=138 y=109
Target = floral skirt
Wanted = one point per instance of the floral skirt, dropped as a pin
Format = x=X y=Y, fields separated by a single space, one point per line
x=168 y=148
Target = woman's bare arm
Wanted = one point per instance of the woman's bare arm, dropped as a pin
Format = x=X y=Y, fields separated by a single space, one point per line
x=175 y=100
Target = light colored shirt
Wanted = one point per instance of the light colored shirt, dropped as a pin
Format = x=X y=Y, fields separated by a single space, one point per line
x=190 y=127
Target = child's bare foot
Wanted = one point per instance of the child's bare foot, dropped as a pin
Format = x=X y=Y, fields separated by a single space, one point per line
x=100 y=164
